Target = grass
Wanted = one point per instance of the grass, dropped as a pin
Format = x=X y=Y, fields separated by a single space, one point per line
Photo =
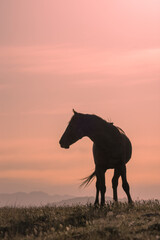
x=114 y=222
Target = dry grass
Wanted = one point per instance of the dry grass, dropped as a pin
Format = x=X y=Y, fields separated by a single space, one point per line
x=114 y=221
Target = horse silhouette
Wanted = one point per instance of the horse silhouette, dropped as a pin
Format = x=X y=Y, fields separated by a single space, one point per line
x=112 y=149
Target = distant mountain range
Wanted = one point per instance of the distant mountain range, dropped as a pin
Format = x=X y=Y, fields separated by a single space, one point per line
x=36 y=198
x=20 y=199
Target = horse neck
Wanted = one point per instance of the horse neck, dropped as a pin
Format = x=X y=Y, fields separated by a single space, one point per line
x=103 y=134
x=97 y=130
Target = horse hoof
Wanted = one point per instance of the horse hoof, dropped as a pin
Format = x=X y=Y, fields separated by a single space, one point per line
x=103 y=205
x=96 y=205
x=131 y=203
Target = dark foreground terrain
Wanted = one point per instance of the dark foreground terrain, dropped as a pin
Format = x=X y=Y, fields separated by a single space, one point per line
x=113 y=222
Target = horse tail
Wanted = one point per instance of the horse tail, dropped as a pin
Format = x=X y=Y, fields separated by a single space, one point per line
x=87 y=180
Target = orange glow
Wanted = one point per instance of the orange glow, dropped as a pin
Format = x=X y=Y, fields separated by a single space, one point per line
x=97 y=57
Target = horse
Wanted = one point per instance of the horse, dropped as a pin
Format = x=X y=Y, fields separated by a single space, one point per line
x=112 y=149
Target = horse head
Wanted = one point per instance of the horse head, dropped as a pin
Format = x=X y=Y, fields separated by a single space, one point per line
x=73 y=132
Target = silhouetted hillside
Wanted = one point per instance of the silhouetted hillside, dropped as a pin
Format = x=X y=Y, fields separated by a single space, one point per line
x=20 y=199
x=75 y=201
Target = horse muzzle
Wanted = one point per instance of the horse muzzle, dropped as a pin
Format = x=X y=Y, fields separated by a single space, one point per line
x=66 y=147
x=63 y=145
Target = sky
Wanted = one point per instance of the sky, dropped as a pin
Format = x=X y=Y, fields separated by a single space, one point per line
x=98 y=57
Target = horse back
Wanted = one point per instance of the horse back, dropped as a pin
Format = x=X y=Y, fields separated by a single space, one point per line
x=127 y=147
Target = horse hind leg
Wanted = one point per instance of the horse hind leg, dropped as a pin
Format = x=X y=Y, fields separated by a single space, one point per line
x=97 y=193
x=103 y=189
x=115 y=183
x=125 y=184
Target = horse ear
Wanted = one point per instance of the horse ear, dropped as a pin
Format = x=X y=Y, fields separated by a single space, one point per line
x=74 y=111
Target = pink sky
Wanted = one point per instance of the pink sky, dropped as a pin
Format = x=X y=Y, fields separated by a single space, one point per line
x=97 y=57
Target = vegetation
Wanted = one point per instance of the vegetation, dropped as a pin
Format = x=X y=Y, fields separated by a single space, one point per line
x=114 y=221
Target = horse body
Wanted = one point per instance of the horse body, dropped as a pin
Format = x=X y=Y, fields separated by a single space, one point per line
x=111 y=158
x=111 y=150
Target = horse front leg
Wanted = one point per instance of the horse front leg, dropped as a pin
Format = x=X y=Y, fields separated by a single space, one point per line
x=100 y=173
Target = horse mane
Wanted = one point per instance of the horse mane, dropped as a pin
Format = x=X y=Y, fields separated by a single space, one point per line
x=120 y=130
x=99 y=120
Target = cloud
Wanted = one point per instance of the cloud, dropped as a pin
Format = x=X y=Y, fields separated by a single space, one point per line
x=64 y=60
x=42 y=155
x=4 y=86
x=59 y=111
